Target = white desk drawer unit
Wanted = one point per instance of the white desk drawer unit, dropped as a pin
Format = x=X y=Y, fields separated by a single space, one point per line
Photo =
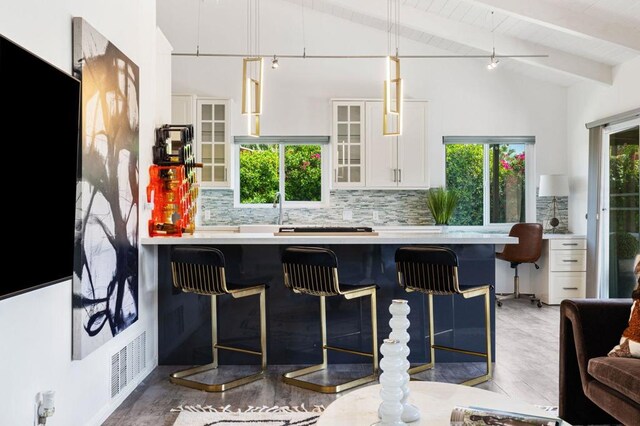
x=563 y=267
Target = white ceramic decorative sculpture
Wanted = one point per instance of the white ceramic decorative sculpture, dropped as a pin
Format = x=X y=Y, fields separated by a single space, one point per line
x=390 y=410
x=399 y=323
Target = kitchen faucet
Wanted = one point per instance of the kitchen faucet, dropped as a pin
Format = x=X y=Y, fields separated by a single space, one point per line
x=278 y=202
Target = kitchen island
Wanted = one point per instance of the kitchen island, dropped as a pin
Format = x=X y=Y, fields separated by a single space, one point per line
x=252 y=255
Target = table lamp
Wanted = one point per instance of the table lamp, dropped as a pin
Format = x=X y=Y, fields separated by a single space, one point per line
x=554 y=186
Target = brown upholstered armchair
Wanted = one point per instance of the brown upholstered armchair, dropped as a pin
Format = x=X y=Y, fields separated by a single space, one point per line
x=594 y=388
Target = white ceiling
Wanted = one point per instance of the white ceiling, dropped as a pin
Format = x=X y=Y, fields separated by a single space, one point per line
x=584 y=39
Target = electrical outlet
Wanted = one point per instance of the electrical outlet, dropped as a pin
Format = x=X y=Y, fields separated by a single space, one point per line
x=347 y=215
x=376 y=215
x=207 y=215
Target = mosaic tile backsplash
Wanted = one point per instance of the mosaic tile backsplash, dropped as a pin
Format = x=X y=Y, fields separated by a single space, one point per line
x=393 y=207
x=407 y=207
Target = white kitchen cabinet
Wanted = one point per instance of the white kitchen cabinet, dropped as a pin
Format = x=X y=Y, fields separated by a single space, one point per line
x=213 y=141
x=397 y=161
x=563 y=267
x=182 y=109
x=348 y=144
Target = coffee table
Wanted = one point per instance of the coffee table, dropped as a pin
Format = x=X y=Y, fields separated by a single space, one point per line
x=434 y=400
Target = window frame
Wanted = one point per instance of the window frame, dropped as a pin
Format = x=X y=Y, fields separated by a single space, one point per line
x=325 y=152
x=529 y=177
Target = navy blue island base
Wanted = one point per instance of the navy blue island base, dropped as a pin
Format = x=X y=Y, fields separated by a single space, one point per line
x=293 y=320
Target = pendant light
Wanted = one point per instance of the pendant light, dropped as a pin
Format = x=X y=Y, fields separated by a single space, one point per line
x=252 y=71
x=392 y=95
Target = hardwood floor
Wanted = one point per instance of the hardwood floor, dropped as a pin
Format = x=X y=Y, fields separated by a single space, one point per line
x=526 y=369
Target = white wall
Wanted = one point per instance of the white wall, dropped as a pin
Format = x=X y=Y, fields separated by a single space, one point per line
x=35 y=328
x=464 y=97
x=588 y=102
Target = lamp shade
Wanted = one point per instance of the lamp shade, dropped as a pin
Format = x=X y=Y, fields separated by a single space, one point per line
x=553 y=185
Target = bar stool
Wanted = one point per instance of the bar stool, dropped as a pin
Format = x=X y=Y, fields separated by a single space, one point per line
x=200 y=270
x=434 y=271
x=314 y=271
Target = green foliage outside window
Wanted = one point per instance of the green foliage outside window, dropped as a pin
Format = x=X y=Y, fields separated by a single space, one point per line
x=510 y=205
x=303 y=173
x=464 y=174
x=260 y=177
x=624 y=188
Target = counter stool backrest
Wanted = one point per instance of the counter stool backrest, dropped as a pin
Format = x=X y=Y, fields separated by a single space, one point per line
x=198 y=270
x=428 y=269
x=311 y=270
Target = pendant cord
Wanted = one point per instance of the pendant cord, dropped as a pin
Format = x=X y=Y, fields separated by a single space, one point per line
x=393 y=26
x=198 y=30
x=397 y=26
x=493 y=35
x=304 y=37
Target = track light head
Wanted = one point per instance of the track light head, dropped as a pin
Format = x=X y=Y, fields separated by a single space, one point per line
x=274 y=63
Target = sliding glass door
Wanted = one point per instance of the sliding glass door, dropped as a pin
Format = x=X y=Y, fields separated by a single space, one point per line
x=620 y=209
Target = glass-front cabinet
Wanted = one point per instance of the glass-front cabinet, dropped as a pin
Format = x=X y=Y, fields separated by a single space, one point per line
x=212 y=137
x=348 y=144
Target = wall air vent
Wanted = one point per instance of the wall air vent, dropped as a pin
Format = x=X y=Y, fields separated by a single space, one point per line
x=127 y=363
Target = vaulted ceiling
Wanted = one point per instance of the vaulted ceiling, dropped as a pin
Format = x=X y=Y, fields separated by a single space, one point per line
x=584 y=39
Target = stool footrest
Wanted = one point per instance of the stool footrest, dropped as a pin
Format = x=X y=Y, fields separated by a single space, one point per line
x=231 y=348
x=462 y=351
x=349 y=351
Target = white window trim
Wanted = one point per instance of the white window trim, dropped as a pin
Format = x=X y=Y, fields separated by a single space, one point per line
x=529 y=179
x=529 y=183
x=325 y=152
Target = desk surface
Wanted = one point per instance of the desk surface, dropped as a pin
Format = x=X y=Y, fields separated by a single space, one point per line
x=434 y=400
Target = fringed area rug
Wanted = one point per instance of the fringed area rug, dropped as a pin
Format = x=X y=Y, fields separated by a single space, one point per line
x=197 y=415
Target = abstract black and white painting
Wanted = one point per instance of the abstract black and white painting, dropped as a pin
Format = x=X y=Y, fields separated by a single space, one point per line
x=105 y=279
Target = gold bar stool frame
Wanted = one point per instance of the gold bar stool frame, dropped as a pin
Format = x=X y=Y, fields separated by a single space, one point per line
x=200 y=270
x=314 y=271
x=434 y=271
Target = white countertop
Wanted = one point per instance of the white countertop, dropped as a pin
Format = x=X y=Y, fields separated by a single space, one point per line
x=395 y=235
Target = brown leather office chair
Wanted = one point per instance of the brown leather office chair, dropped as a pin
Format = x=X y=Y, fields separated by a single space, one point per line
x=527 y=250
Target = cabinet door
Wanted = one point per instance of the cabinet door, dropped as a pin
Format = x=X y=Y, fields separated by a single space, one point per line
x=382 y=170
x=412 y=146
x=182 y=109
x=348 y=144
x=212 y=136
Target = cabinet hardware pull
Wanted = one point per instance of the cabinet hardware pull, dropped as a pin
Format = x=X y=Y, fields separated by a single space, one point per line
x=335 y=175
x=395 y=175
x=570 y=260
x=399 y=175
x=569 y=244
x=569 y=288
x=225 y=174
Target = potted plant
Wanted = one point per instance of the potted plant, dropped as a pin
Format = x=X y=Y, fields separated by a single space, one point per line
x=441 y=202
x=627 y=247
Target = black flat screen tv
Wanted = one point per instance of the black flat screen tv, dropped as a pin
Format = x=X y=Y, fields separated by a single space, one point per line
x=39 y=135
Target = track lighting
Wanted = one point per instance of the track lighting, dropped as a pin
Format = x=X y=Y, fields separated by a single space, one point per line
x=274 y=63
x=494 y=61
